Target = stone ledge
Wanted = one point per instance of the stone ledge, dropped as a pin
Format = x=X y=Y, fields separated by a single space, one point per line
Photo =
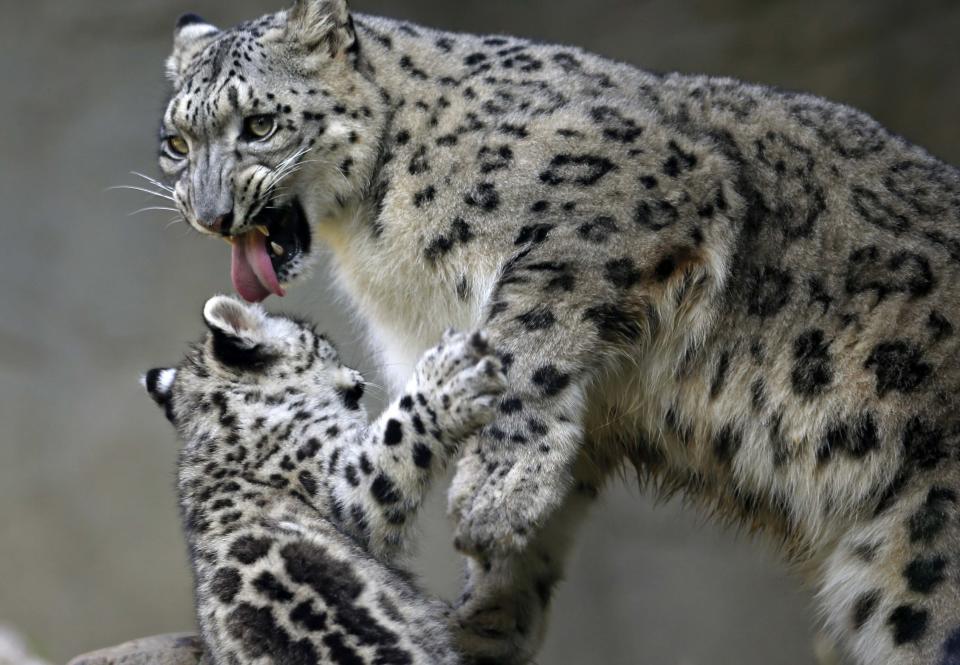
x=169 y=649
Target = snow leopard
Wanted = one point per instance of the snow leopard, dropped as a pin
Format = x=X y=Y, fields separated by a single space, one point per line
x=749 y=295
x=296 y=510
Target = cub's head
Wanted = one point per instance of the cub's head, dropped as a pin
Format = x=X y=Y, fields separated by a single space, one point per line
x=271 y=128
x=252 y=363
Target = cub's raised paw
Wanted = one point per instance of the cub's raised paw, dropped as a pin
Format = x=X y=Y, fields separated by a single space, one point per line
x=462 y=380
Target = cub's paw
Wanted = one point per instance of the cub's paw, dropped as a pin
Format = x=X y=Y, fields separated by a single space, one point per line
x=461 y=380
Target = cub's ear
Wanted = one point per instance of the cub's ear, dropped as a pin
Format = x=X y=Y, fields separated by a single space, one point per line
x=158 y=383
x=238 y=332
x=229 y=316
x=350 y=386
x=321 y=25
x=190 y=36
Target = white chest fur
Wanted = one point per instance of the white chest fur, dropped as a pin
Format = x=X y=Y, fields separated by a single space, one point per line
x=404 y=304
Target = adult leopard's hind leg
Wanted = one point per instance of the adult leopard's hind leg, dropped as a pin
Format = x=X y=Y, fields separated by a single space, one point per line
x=891 y=589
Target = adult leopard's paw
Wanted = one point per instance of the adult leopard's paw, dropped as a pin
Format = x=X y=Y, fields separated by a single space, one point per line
x=490 y=532
x=470 y=476
x=492 y=634
x=505 y=513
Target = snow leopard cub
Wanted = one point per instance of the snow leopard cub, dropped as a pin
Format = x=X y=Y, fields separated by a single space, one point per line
x=295 y=508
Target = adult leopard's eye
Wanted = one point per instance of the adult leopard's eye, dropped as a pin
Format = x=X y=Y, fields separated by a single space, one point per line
x=258 y=127
x=176 y=147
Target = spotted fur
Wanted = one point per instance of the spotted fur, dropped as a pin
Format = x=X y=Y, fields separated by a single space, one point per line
x=749 y=294
x=295 y=508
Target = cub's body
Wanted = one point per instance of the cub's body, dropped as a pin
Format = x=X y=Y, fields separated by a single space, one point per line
x=295 y=508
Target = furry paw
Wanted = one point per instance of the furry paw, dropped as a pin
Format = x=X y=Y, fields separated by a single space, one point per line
x=469 y=478
x=505 y=512
x=501 y=621
x=463 y=380
x=482 y=642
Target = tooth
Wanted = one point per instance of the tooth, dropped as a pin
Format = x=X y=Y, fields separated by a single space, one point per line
x=277 y=249
x=263 y=229
x=230 y=240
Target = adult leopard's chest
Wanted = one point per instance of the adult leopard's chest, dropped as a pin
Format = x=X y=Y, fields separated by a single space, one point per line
x=404 y=307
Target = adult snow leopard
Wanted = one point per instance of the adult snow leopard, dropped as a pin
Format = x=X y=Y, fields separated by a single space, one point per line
x=750 y=295
x=294 y=507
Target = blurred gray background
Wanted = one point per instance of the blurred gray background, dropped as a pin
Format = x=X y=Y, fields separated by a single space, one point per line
x=90 y=549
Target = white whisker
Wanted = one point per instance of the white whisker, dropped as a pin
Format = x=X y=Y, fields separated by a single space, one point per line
x=136 y=212
x=285 y=168
x=142 y=189
x=153 y=181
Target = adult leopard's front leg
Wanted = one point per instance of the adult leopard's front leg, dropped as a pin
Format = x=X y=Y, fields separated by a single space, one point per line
x=521 y=466
x=556 y=318
x=569 y=307
x=524 y=512
x=515 y=494
x=501 y=615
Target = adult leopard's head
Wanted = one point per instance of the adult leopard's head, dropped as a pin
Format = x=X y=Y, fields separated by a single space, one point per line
x=273 y=126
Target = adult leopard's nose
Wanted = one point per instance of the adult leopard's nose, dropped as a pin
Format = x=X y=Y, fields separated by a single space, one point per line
x=214 y=219
x=218 y=224
x=211 y=189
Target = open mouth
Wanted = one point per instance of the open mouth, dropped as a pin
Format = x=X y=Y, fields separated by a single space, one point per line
x=266 y=256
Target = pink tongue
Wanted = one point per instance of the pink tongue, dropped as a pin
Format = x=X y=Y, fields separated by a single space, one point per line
x=250 y=269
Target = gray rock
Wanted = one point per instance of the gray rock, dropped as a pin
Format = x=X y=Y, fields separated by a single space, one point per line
x=169 y=649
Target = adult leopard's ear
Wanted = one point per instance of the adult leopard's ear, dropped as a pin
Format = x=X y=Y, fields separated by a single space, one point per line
x=158 y=383
x=237 y=332
x=190 y=36
x=321 y=26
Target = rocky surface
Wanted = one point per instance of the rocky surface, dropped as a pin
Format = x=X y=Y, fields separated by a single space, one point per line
x=169 y=649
